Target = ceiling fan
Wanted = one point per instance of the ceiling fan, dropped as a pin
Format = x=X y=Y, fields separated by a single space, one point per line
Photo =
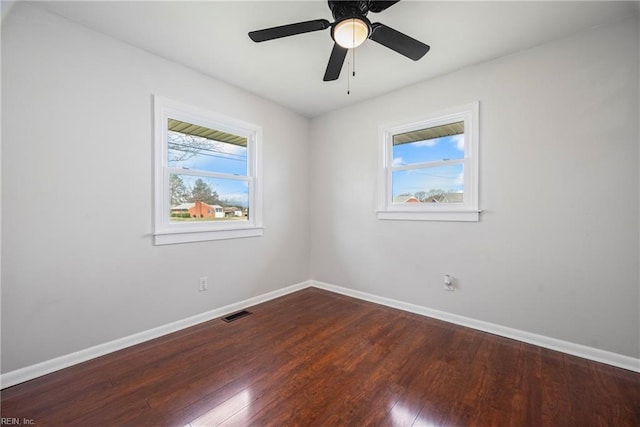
x=350 y=29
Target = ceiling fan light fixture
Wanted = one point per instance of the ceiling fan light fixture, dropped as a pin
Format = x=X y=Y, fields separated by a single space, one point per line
x=350 y=33
x=349 y=30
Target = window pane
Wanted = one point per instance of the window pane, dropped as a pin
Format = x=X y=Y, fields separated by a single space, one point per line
x=431 y=144
x=195 y=198
x=442 y=184
x=200 y=148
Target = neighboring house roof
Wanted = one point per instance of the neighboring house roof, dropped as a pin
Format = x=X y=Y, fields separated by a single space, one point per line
x=187 y=206
x=438 y=198
x=446 y=198
x=405 y=199
x=183 y=206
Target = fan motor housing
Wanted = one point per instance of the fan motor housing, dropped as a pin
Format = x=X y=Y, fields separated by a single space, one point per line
x=348 y=9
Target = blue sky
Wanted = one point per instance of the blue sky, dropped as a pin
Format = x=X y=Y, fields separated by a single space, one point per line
x=445 y=177
x=231 y=159
x=211 y=156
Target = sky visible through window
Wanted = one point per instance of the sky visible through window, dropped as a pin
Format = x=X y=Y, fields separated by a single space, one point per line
x=428 y=180
x=195 y=153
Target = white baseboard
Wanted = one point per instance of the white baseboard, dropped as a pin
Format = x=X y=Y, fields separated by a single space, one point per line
x=30 y=372
x=579 y=350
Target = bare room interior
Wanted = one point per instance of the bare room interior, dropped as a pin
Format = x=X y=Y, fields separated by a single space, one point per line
x=393 y=213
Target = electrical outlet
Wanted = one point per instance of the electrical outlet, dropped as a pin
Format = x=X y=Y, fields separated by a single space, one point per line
x=448 y=283
x=204 y=284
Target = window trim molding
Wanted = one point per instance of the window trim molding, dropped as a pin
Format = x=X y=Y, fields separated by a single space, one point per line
x=167 y=233
x=467 y=211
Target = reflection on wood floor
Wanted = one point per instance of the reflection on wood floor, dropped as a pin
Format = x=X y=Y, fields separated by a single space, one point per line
x=318 y=358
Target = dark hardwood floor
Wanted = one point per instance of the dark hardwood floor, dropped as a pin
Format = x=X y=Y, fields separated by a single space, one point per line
x=318 y=358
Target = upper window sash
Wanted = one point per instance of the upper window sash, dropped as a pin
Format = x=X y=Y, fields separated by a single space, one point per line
x=468 y=210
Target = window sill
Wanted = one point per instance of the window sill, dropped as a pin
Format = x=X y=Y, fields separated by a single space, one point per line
x=171 y=238
x=467 y=216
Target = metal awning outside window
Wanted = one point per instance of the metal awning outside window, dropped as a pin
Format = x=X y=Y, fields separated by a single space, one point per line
x=204 y=132
x=429 y=133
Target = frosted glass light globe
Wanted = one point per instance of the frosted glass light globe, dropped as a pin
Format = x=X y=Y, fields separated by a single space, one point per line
x=350 y=33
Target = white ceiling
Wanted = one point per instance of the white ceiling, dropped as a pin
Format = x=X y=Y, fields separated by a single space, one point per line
x=211 y=37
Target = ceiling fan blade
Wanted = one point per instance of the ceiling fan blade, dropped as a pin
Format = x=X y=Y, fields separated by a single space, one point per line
x=336 y=60
x=395 y=40
x=289 y=30
x=379 y=6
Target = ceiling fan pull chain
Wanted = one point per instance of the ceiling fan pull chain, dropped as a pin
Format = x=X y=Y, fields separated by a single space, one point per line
x=351 y=71
x=353 y=58
x=353 y=50
x=348 y=78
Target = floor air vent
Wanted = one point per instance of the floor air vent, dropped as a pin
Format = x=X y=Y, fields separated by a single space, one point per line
x=236 y=316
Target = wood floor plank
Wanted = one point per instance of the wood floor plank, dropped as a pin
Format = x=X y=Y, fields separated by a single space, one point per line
x=556 y=400
x=527 y=398
x=622 y=388
x=318 y=358
x=439 y=396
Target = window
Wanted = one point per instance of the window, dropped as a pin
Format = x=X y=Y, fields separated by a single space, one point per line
x=429 y=169
x=207 y=181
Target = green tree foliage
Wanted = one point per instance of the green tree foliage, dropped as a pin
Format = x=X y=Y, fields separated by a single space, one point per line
x=178 y=190
x=201 y=191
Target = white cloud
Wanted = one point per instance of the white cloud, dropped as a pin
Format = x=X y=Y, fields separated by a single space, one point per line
x=234 y=149
x=397 y=161
x=426 y=143
x=458 y=140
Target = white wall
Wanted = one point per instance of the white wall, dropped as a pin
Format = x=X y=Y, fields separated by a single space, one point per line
x=78 y=264
x=556 y=251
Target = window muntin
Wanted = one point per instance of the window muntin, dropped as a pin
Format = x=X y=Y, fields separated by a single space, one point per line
x=431 y=167
x=207 y=175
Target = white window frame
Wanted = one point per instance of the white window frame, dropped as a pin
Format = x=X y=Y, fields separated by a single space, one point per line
x=465 y=211
x=166 y=232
